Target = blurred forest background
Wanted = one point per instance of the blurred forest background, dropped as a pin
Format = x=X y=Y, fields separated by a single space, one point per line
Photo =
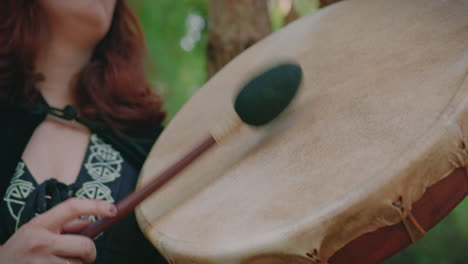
x=177 y=38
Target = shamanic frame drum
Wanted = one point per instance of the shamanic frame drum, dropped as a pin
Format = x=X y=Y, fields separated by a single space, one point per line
x=369 y=155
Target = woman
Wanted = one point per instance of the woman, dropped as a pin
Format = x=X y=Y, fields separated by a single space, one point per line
x=88 y=54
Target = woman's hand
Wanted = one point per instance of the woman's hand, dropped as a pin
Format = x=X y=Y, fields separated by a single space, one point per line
x=42 y=239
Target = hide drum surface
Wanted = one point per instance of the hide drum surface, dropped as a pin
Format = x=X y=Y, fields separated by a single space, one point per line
x=381 y=115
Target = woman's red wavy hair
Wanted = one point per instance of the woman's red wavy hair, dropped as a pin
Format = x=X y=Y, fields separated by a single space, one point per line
x=112 y=88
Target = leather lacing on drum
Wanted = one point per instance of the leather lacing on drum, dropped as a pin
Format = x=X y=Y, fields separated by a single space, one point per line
x=314 y=257
x=414 y=229
x=459 y=157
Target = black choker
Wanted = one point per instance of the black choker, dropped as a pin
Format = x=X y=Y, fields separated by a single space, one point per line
x=69 y=113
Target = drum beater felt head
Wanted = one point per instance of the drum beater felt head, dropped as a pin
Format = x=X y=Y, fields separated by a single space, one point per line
x=264 y=97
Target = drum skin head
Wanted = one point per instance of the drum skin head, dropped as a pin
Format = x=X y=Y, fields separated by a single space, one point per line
x=381 y=115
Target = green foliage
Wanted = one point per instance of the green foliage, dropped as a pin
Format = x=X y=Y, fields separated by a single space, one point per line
x=175 y=72
x=178 y=73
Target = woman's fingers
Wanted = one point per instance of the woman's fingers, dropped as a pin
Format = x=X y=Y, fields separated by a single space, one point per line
x=55 y=218
x=74 y=247
x=60 y=260
x=74 y=261
x=75 y=226
x=41 y=241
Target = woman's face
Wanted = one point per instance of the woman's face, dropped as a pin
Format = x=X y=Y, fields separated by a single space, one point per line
x=83 y=20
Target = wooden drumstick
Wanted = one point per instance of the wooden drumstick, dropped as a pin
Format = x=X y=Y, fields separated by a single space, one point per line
x=260 y=101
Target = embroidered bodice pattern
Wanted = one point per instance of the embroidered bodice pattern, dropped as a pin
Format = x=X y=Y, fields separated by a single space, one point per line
x=98 y=179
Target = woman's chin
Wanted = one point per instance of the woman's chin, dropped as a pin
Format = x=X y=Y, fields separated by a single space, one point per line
x=80 y=19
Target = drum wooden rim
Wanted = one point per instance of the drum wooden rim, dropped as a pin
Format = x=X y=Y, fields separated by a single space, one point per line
x=436 y=203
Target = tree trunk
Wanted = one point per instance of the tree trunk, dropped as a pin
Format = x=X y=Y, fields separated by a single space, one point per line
x=292 y=16
x=233 y=26
x=324 y=3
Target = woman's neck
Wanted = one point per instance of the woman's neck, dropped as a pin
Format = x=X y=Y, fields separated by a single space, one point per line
x=59 y=63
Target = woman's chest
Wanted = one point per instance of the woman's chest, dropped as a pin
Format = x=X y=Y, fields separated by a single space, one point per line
x=56 y=150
